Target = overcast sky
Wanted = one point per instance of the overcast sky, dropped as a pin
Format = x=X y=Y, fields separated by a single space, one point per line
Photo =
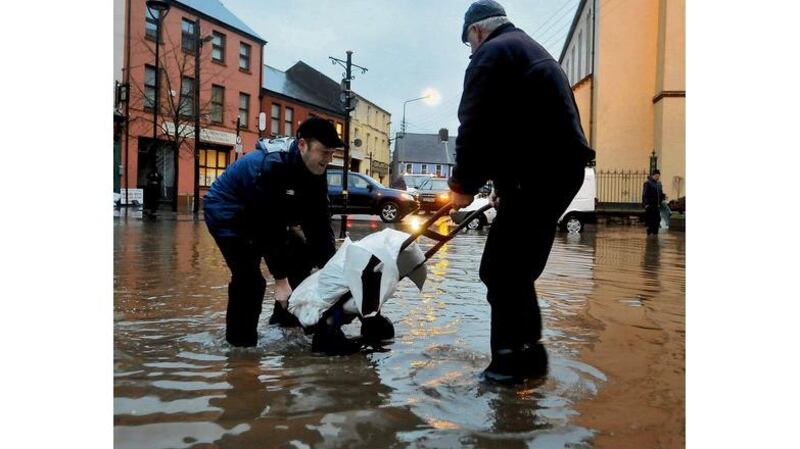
x=407 y=45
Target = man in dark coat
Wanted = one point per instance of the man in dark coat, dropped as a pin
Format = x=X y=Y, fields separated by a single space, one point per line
x=652 y=196
x=272 y=205
x=520 y=128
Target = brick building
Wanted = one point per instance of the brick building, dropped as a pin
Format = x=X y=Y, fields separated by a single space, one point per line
x=229 y=89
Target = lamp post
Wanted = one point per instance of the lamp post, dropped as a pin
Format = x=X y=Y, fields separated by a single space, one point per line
x=403 y=125
x=198 y=45
x=160 y=7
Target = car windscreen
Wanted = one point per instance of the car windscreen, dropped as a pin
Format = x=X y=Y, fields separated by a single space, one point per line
x=435 y=184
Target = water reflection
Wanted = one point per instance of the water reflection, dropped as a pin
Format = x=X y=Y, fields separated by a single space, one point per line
x=613 y=311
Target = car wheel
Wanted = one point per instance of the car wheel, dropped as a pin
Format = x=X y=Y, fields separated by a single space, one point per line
x=573 y=224
x=390 y=213
x=477 y=223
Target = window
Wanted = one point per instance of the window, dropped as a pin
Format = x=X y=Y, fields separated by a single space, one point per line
x=186 y=102
x=244 y=56
x=212 y=164
x=580 y=55
x=589 y=67
x=424 y=169
x=408 y=168
x=276 y=120
x=439 y=170
x=339 y=129
x=149 y=86
x=357 y=182
x=187 y=35
x=367 y=143
x=151 y=23
x=288 y=116
x=574 y=66
x=218 y=47
x=334 y=179
x=217 y=103
x=244 y=109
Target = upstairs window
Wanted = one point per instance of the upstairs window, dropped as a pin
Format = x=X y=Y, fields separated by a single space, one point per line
x=244 y=56
x=187 y=35
x=218 y=47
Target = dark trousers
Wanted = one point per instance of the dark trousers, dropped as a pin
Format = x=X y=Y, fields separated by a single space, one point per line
x=247 y=286
x=516 y=253
x=652 y=218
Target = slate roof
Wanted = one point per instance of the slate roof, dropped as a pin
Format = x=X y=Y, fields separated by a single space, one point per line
x=304 y=83
x=425 y=148
x=216 y=10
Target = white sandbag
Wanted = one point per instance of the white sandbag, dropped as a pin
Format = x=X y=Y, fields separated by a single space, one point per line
x=344 y=271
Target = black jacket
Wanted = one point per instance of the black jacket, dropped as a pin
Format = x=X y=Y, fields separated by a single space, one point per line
x=266 y=197
x=518 y=115
x=652 y=193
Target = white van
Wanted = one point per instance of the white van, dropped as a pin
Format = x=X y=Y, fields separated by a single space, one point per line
x=580 y=211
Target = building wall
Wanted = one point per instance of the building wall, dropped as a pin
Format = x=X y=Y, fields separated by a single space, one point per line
x=577 y=57
x=583 y=98
x=626 y=76
x=670 y=102
x=300 y=112
x=371 y=124
x=416 y=168
x=227 y=74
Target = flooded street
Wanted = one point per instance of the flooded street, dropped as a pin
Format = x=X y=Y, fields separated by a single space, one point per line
x=614 y=324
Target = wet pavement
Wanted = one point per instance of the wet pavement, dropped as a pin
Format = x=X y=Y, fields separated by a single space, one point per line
x=614 y=323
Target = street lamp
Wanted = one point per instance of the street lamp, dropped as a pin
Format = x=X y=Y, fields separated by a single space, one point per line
x=403 y=126
x=161 y=8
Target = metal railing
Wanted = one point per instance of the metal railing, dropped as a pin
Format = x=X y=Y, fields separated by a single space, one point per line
x=620 y=188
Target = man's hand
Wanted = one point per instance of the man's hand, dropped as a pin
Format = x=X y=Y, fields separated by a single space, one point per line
x=461 y=200
x=282 y=292
x=494 y=200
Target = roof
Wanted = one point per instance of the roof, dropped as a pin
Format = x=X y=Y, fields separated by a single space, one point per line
x=572 y=27
x=425 y=148
x=214 y=9
x=304 y=83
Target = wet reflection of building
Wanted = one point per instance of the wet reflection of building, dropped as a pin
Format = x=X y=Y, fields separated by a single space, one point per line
x=306 y=401
x=638 y=310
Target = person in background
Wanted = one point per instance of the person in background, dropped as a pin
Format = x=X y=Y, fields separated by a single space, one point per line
x=652 y=196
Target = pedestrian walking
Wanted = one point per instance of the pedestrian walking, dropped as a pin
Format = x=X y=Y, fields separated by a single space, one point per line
x=519 y=127
x=272 y=205
x=652 y=197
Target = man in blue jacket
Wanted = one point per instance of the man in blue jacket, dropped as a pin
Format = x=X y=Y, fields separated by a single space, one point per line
x=520 y=128
x=272 y=205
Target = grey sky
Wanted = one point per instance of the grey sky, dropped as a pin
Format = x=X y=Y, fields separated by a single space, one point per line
x=407 y=45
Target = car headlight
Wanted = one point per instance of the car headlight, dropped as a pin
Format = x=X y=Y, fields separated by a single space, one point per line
x=444 y=196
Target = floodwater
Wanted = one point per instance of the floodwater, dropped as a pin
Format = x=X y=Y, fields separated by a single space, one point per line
x=614 y=324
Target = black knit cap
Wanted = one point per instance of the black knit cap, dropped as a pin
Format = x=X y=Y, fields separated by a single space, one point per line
x=482 y=9
x=320 y=130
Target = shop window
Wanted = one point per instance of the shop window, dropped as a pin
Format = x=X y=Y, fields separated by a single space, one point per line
x=212 y=164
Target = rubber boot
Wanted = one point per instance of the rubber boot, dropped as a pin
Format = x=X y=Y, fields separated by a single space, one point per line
x=376 y=329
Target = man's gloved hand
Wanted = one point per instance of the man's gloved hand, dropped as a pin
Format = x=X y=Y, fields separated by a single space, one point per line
x=494 y=200
x=461 y=200
x=282 y=292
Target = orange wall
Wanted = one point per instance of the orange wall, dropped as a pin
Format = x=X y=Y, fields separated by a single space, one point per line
x=583 y=98
x=625 y=77
x=227 y=75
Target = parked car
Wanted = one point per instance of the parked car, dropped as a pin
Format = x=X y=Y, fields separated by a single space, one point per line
x=579 y=212
x=367 y=196
x=433 y=194
x=413 y=182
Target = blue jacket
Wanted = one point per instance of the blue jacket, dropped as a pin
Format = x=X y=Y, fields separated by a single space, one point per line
x=265 y=197
x=518 y=116
x=652 y=193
